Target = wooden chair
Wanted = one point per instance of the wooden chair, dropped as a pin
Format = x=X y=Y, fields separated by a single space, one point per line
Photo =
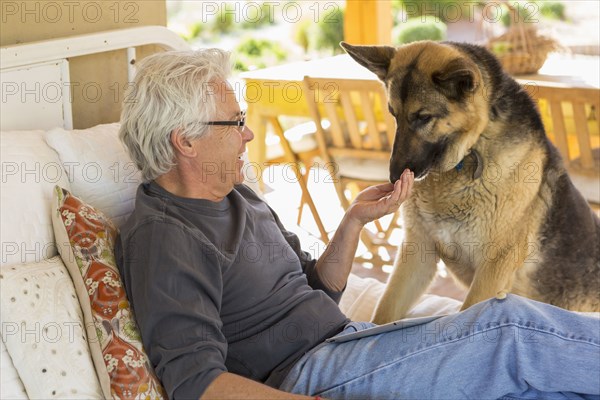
x=297 y=147
x=570 y=118
x=356 y=143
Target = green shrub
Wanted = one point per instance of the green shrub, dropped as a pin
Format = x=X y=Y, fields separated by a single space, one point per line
x=301 y=33
x=552 y=9
x=258 y=17
x=257 y=53
x=328 y=32
x=523 y=14
x=420 y=28
x=530 y=12
x=196 y=30
x=224 y=21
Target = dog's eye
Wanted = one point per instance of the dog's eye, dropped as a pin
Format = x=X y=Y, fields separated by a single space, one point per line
x=424 y=118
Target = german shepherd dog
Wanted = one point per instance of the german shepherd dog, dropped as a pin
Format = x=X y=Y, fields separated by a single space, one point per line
x=492 y=198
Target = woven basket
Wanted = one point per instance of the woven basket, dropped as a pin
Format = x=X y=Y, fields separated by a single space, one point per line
x=521 y=50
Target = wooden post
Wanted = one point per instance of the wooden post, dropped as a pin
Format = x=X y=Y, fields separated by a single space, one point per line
x=368 y=22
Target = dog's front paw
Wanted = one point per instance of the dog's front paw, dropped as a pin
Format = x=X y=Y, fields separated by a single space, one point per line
x=383 y=315
x=500 y=295
x=379 y=319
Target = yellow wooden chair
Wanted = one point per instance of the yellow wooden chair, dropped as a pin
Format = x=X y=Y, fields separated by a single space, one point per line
x=570 y=117
x=297 y=147
x=356 y=142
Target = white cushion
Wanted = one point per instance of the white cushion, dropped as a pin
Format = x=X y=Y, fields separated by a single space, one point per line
x=99 y=168
x=363 y=169
x=301 y=138
x=361 y=296
x=30 y=169
x=42 y=326
x=11 y=386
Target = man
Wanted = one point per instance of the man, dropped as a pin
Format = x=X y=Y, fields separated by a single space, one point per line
x=229 y=306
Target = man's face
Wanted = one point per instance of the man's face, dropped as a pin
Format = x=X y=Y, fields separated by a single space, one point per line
x=220 y=150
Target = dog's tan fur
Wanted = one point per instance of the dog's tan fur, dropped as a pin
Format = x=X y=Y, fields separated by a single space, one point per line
x=490 y=227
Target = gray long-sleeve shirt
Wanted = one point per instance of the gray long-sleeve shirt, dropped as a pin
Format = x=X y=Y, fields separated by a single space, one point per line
x=220 y=286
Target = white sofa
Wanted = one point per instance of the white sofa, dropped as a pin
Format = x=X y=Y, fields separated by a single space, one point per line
x=46 y=337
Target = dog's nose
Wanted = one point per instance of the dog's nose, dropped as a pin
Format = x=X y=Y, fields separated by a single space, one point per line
x=394 y=177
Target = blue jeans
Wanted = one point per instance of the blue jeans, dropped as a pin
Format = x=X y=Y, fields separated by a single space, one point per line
x=512 y=349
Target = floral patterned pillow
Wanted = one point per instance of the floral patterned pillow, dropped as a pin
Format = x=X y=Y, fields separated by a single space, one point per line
x=85 y=239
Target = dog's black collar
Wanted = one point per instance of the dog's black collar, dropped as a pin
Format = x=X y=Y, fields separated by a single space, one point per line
x=478 y=164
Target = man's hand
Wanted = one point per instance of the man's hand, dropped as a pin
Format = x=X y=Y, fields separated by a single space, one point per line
x=335 y=263
x=376 y=201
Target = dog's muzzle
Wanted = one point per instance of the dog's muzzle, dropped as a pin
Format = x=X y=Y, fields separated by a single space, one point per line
x=420 y=164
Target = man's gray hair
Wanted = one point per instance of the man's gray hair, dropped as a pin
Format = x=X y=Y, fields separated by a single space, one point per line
x=171 y=90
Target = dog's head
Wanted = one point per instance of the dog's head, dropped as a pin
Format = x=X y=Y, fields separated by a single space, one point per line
x=435 y=93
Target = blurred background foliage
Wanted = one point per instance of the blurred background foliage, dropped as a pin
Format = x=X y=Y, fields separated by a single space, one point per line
x=257 y=53
x=531 y=11
x=429 y=19
x=426 y=27
x=254 y=34
x=318 y=36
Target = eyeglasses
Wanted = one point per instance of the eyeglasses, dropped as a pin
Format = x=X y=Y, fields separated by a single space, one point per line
x=240 y=123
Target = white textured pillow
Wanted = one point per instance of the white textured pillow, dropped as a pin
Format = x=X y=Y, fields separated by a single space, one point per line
x=11 y=387
x=99 y=169
x=361 y=295
x=30 y=169
x=42 y=326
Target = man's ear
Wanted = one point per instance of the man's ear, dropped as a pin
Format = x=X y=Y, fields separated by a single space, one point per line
x=375 y=58
x=456 y=79
x=181 y=144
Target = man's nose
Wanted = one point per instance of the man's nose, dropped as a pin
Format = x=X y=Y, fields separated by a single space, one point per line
x=248 y=133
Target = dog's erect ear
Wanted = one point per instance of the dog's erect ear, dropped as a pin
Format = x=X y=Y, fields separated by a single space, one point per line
x=456 y=79
x=375 y=58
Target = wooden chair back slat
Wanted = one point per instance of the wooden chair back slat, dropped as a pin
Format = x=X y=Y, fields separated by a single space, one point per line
x=350 y=119
x=558 y=128
x=357 y=111
x=583 y=135
x=572 y=112
x=328 y=97
x=366 y=103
